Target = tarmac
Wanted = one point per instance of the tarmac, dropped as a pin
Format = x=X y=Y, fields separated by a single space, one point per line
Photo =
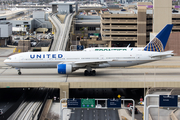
x=6 y=51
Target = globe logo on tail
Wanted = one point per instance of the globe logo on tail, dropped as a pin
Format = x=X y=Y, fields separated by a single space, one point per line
x=154 y=45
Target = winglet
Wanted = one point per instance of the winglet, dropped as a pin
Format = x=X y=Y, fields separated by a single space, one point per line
x=159 y=42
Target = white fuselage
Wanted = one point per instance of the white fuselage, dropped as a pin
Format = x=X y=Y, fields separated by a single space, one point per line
x=52 y=59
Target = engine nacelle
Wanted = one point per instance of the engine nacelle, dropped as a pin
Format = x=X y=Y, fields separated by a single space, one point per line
x=64 y=68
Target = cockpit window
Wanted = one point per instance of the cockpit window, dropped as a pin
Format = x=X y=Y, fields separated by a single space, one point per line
x=8 y=58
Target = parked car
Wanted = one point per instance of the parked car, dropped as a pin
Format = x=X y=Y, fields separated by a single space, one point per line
x=131 y=106
x=175 y=11
x=15 y=40
x=98 y=106
x=1 y=111
x=123 y=9
x=33 y=43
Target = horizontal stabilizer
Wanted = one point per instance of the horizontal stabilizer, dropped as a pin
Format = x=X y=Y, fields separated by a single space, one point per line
x=161 y=54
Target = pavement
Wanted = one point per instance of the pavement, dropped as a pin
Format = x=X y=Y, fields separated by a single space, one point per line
x=94 y=114
x=55 y=113
x=177 y=113
x=6 y=51
x=123 y=113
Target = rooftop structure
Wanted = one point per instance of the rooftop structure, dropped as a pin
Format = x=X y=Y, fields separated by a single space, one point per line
x=62 y=7
x=5 y=29
x=5 y=32
x=6 y=15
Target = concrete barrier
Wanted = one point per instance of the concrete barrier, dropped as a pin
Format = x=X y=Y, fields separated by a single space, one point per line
x=173 y=116
x=46 y=109
x=123 y=118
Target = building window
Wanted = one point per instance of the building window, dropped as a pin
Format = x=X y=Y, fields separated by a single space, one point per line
x=91 y=28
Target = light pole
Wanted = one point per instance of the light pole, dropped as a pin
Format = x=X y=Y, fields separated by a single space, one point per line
x=144 y=84
x=76 y=40
x=154 y=76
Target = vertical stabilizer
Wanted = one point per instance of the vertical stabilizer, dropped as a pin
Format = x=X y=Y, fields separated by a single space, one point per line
x=158 y=44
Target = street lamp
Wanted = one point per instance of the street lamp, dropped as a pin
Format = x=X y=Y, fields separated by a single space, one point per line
x=76 y=40
x=144 y=84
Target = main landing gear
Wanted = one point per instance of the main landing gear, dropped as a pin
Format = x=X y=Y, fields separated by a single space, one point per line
x=89 y=73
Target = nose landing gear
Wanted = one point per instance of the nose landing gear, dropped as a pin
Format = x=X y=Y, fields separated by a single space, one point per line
x=89 y=71
x=19 y=71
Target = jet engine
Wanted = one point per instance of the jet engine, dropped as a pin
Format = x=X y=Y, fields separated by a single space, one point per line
x=64 y=68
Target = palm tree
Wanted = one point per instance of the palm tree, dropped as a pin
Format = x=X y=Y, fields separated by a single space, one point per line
x=83 y=31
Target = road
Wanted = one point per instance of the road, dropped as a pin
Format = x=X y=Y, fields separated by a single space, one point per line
x=62 y=31
x=177 y=113
x=94 y=114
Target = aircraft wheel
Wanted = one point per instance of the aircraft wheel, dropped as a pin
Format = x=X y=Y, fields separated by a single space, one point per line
x=19 y=73
x=93 y=73
x=86 y=73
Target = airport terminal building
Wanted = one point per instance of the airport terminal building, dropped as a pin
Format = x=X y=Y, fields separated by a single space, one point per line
x=119 y=28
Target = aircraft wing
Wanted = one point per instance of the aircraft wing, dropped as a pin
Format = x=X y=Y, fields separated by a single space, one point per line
x=161 y=54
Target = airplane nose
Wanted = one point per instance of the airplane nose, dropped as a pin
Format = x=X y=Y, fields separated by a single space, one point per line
x=5 y=61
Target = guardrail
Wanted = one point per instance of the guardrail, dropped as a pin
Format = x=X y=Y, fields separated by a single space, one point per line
x=68 y=30
x=62 y=31
x=150 y=91
x=54 y=21
x=44 y=101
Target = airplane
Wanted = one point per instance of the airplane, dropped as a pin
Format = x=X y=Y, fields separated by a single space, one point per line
x=67 y=62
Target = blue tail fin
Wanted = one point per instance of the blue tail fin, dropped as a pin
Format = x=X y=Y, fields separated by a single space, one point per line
x=158 y=44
